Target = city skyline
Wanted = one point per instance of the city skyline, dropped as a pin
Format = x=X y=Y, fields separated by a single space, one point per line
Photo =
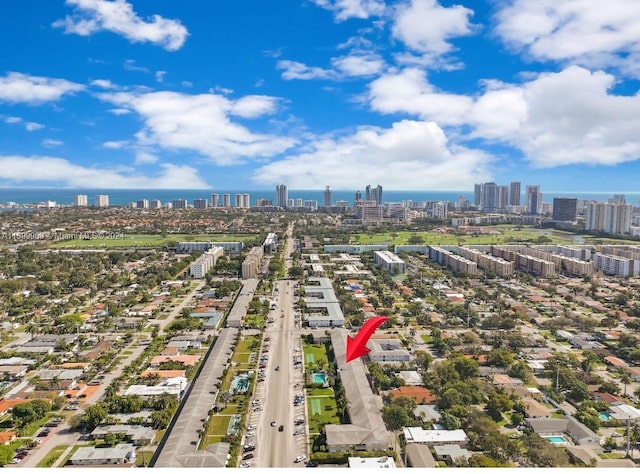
x=415 y=94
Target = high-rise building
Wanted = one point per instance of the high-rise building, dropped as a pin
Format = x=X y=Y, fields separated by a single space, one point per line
x=609 y=218
x=102 y=200
x=242 y=201
x=282 y=195
x=215 y=198
x=179 y=204
x=357 y=197
x=565 y=209
x=373 y=194
x=477 y=194
x=291 y=202
x=489 y=197
x=503 y=197
x=142 y=204
x=327 y=197
x=260 y=202
x=155 y=204
x=618 y=199
x=200 y=203
x=80 y=200
x=310 y=204
x=534 y=199
x=226 y=200
x=514 y=193
x=298 y=202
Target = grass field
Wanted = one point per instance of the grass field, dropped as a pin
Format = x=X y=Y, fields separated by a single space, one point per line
x=508 y=234
x=322 y=410
x=314 y=353
x=52 y=456
x=150 y=240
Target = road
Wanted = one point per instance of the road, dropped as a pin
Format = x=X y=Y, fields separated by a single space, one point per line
x=275 y=448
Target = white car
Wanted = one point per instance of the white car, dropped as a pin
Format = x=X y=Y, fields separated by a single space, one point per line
x=300 y=458
x=251 y=427
x=250 y=434
x=245 y=464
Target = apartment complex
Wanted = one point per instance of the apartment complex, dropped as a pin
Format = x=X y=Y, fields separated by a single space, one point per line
x=251 y=263
x=102 y=200
x=322 y=304
x=80 y=200
x=389 y=261
x=453 y=262
x=611 y=218
x=205 y=262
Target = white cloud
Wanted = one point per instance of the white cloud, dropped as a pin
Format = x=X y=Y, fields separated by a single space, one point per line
x=117 y=16
x=358 y=65
x=16 y=87
x=409 y=91
x=580 y=31
x=103 y=83
x=427 y=27
x=120 y=111
x=345 y=9
x=24 y=170
x=409 y=155
x=548 y=118
x=29 y=126
x=203 y=123
x=144 y=157
x=115 y=144
x=160 y=75
x=33 y=126
x=51 y=143
x=298 y=70
x=353 y=65
x=130 y=65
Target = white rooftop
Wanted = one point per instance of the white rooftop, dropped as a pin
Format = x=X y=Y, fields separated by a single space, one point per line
x=418 y=435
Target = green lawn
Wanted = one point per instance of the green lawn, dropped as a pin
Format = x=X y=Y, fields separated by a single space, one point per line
x=218 y=425
x=256 y=320
x=52 y=456
x=426 y=338
x=314 y=353
x=321 y=410
x=151 y=240
x=508 y=234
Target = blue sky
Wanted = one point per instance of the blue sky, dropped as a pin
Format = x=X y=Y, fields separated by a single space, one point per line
x=247 y=94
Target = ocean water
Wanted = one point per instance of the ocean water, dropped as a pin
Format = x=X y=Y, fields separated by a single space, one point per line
x=120 y=197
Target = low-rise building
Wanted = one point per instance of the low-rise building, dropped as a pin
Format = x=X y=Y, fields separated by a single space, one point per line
x=416 y=434
x=93 y=456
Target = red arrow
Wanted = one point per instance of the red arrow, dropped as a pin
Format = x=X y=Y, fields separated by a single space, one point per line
x=356 y=346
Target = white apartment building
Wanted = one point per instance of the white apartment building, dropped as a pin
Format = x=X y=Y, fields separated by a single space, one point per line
x=612 y=218
x=389 y=261
x=102 y=200
x=80 y=200
x=617 y=266
x=205 y=262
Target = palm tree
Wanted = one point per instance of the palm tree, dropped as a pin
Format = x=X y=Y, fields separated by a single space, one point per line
x=625 y=378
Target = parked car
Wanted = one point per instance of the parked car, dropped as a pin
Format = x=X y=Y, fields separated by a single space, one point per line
x=247 y=456
x=300 y=458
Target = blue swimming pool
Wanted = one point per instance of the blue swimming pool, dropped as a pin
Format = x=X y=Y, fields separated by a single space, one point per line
x=556 y=439
x=319 y=377
x=604 y=416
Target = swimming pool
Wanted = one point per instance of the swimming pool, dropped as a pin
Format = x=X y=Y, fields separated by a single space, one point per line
x=556 y=439
x=319 y=377
x=604 y=416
